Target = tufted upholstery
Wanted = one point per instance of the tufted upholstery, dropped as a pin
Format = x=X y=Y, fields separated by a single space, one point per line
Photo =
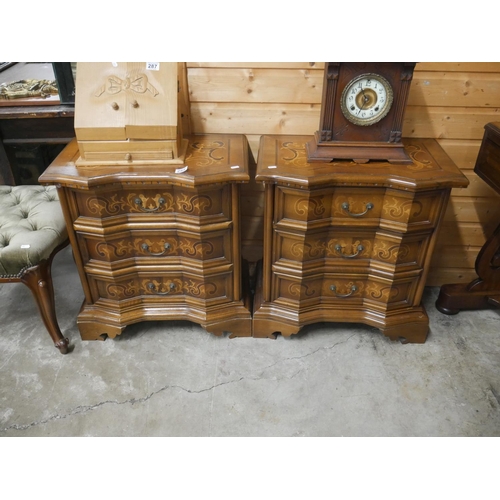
x=31 y=226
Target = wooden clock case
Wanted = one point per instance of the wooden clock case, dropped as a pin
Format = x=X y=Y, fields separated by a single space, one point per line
x=338 y=138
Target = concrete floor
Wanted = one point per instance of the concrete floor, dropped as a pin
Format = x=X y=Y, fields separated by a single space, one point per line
x=174 y=379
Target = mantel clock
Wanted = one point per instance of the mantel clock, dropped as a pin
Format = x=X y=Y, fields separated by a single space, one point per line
x=362 y=112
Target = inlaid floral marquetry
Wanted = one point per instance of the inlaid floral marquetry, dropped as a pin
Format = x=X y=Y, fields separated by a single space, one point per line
x=174 y=244
x=191 y=202
x=206 y=153
x=181 y=286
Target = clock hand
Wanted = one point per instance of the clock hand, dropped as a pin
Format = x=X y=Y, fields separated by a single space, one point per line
x=365 y=100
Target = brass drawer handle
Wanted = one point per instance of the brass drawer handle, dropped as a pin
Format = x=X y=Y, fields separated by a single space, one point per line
x=345 y=207
x=354 y=289
x=152 y=288
x=359 y=249
x=138 y=202
x=167 y=247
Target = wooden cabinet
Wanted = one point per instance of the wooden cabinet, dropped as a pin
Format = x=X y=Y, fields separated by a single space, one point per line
x=158 y=242
x=484 y=291
x=346 y=242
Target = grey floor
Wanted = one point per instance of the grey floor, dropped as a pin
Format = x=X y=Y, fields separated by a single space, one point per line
x=174 y=379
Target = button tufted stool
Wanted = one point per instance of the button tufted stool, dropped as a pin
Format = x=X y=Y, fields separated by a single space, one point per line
x=32 y=231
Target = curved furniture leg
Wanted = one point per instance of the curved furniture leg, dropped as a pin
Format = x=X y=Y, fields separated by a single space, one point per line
x=484 y=291
x=39 y=281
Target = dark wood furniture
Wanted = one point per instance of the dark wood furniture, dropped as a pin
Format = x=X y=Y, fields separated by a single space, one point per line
x=34 y=130
x=31 y=125
x=158 y=242
x=349 y=243
x=484 y=291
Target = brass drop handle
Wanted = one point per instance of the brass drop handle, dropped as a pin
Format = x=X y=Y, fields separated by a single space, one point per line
x=138 y=202
x=152 y=288
x=166 y=246
x=115 y=106
x=354 y=289
x=345 y=207
x=135 y=104
x=359 y=249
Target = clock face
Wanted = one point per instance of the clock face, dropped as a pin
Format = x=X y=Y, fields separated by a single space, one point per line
x=366 y=99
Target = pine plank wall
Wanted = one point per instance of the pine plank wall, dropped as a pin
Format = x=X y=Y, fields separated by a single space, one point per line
x=450 y=102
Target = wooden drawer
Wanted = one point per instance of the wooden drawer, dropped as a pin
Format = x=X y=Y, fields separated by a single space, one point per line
x=143 y=204
x=333 y=249
x=128 y=150
x=337 y=290
x=167 y=246
x=173 y=287
x=356 y=207
x=325 y=205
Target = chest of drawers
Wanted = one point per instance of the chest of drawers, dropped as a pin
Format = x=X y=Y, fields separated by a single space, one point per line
x=346 y=242
x=158 y=242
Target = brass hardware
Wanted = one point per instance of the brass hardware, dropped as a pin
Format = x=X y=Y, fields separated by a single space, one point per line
x=338 y=249
x=345 y=207
x=354 y=289
x=138 y=202
x=115 y=106
x=135 y=104
x=128 y=157
x=152 y=288
x=166 y=246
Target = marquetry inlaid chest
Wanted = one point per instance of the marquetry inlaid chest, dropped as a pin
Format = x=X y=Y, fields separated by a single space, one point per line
x=158 y=242
x=349 y=243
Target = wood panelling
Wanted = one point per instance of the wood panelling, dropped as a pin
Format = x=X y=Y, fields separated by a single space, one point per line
x=450 y=102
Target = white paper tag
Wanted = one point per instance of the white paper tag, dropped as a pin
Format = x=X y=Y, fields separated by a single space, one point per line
x=25 y=246
x=272 y=166
x=181 y=170
x=151 y=66
x=236 y=166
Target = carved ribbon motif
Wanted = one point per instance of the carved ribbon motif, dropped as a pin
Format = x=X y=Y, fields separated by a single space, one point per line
x=138 y=83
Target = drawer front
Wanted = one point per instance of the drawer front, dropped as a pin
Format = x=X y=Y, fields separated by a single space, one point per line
x=334 y=249
x=150 y=203
x=342 y=205
x=328 y=247
x=128 y=150
x=357 y=207
x=168 y=246
x=172 y=287
x=339 y=291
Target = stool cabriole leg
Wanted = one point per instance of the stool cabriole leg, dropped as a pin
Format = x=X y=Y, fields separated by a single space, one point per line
x=39 y=281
